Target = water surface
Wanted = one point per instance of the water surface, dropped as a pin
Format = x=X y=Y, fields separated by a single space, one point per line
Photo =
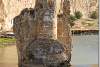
x=84 y=52
x=85 y=49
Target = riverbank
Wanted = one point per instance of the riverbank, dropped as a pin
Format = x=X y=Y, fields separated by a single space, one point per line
x=4 y=42
x=84 y=31
x=73 y=31
x=10 y=40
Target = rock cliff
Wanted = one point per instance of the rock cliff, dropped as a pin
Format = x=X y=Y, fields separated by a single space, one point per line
x=11 y=8
x=84 y=6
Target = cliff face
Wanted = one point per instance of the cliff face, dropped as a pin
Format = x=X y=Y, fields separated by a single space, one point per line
x=84 y=6
x=2 y=14
x=11 y=8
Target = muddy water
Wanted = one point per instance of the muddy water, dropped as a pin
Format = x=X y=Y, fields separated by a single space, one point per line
x=8 y=55
x=84 y=52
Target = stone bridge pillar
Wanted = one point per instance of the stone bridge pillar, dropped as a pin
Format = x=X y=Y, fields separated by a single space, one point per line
x=36 y=32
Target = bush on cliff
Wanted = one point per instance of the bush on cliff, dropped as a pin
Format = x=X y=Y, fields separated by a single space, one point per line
x=94 y=15
x=78 y=15
x=72 y=19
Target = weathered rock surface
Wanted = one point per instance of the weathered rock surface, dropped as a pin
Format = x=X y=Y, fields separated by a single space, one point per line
x=11 y=8
x=2 y=14
x=84 y=6
x=39 y=38
x=47 y=52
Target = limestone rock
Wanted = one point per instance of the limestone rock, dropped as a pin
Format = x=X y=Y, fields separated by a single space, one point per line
x=84 y=6
x=11 y=8
x=2 y=14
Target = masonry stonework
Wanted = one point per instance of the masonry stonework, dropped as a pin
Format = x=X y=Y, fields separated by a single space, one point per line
x=43 y=35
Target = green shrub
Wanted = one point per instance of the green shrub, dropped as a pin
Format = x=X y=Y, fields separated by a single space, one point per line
x=78 y=14
x=94 y=15
x=72 y=19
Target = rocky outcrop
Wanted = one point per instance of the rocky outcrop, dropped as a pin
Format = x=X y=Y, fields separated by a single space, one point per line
x=84 y=6
x=38 y=41
x=11 y=8
x=3 y=14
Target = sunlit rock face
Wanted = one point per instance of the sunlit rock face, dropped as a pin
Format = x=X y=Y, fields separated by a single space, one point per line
x=84 y=6
x=2 y=14
x=11 y=8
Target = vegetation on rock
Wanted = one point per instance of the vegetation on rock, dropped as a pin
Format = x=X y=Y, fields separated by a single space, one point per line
x=94 y=15
x=78 y=15
x=72 y=19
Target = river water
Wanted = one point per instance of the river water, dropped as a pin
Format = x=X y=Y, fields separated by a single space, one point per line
x=84 y=52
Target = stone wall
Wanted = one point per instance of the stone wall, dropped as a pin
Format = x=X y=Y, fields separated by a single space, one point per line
x=38 y=38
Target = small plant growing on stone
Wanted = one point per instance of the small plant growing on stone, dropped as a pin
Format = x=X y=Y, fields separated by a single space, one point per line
x=78 y=14
x=72 y=19
x=94 y=15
